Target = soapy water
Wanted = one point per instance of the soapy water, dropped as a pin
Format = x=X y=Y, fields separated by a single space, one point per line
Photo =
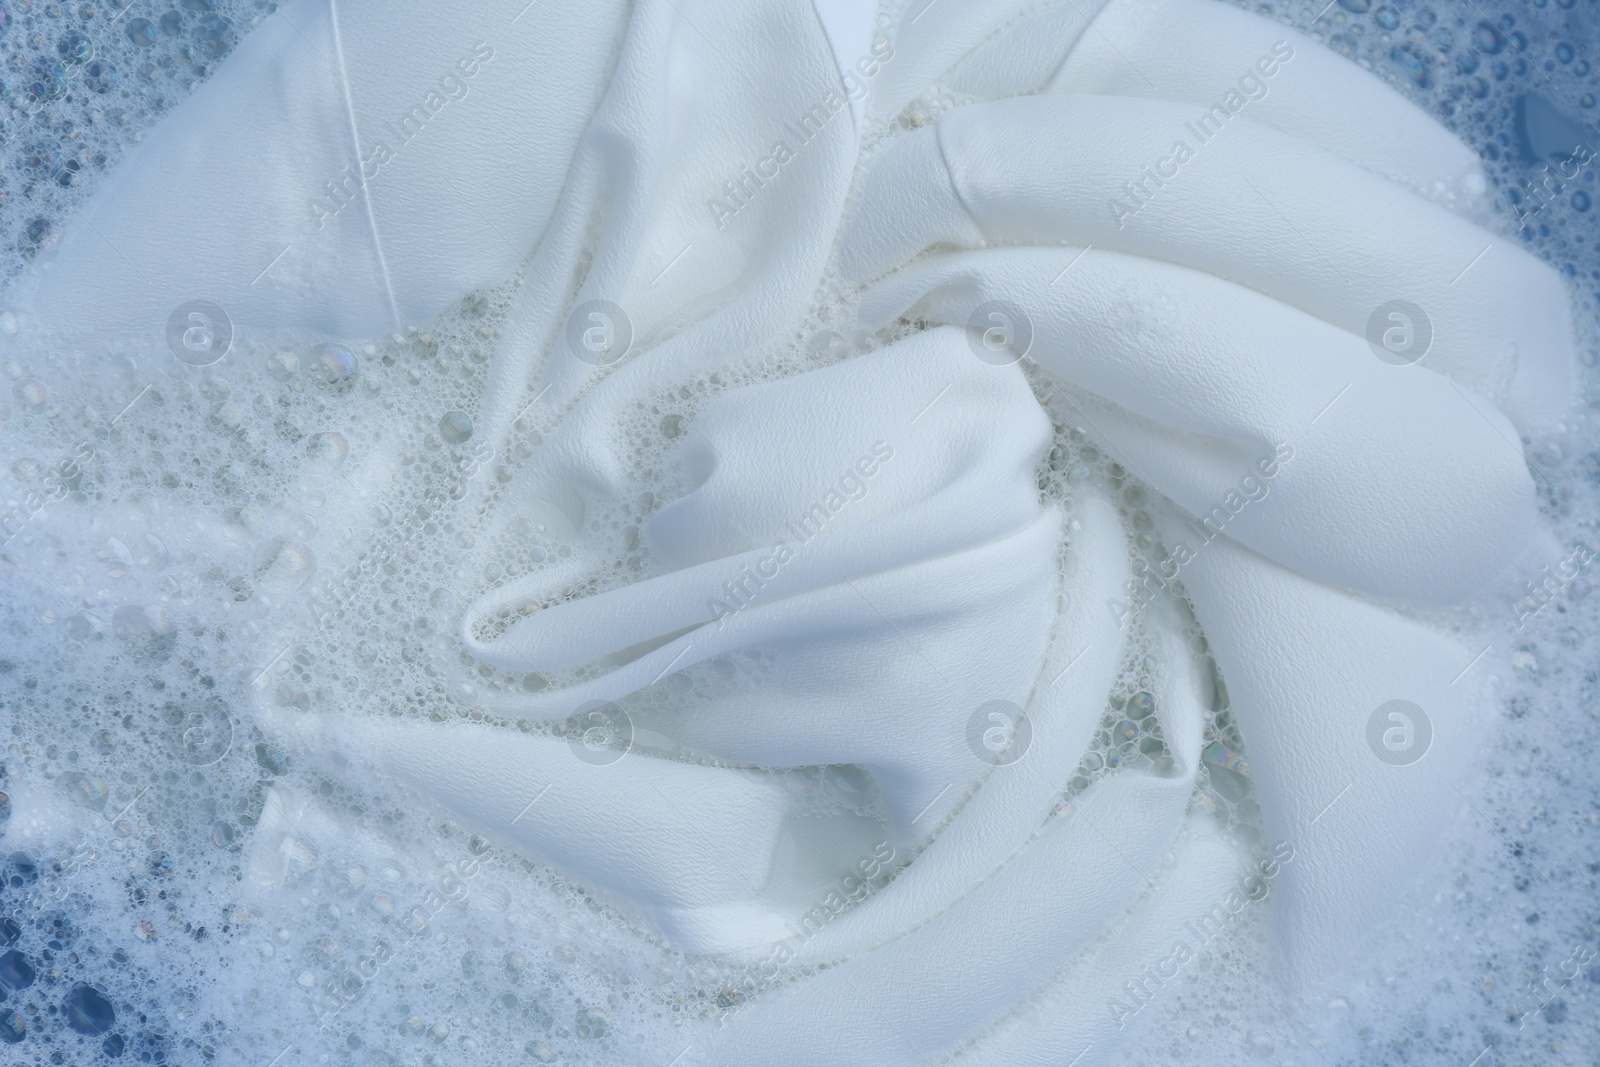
x=82 y=81
x=389 y=935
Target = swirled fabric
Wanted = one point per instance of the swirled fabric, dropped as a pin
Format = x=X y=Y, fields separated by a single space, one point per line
x=1183 y=221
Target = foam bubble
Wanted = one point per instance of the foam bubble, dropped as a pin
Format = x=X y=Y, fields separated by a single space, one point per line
x=135 y=764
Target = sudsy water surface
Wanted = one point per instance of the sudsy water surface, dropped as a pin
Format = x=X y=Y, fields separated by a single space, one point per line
x=195 y=893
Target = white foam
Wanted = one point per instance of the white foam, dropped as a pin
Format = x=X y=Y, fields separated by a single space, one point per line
x=248 y=889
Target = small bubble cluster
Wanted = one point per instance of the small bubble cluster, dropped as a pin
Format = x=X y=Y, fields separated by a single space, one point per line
x=78 y=84
x=132 y=697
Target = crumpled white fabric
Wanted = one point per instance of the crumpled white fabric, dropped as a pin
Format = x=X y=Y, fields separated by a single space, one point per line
x=1228 y=315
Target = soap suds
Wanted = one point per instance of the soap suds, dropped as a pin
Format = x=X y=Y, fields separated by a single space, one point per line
x=136 y=772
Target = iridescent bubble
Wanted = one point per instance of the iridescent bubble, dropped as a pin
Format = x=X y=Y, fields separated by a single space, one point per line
x=88 y=1011
x=30 y=395
x=15 y=971
x=1411 y=64
x=1126 y=730
x=42 y=160
x=216 y=36
x=100 y=76
x=291 y=556
x=1219 y=755
x=46 y=81
x=225 y=837
x=328 y=447
x=147 y=630
x=230 y=415
x=83 y=790
x=334 y=364
x=849 y=786
x=827 y=343
x=151 y=552
x=75 y=48
x=115 y=557
x=1142 y=705
x=283 y=364
x=591 y=1023
x=41 y=234
x=1488 y=38
x=271 y=759
x=291 y=694
x=455 y=427
x=12 y=1028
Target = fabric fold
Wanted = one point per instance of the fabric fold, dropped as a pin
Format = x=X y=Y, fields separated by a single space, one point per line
x=1259 y=419
x=1231 y=206
x=316 y=183
x=776 y=510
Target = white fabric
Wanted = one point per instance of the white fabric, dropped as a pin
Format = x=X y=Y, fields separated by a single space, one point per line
x=1257 y=207
x=849 y=26
x=592 y=158
x=926 y=597
x=998 y=821
x=1306 y=668
x=935 y=38
x=1084 y=1014
x=1195 y=52
x=1404 y=487
x=1010 y=932
x=697 y=825
x=239 y=175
